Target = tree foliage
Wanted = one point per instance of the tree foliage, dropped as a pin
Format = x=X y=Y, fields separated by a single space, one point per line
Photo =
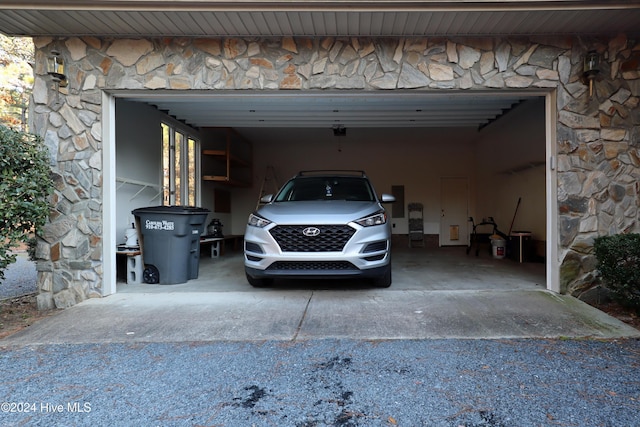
x=25 y=187
x=15 y=49
x=16 y=80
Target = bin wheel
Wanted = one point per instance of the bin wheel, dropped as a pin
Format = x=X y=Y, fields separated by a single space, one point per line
x=151 y=275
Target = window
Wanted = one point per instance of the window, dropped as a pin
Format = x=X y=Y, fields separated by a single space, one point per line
x=326 y=188
x=179 y=167
x=192 y=171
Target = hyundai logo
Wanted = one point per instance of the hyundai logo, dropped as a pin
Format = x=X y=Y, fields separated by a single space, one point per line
x=311 y=231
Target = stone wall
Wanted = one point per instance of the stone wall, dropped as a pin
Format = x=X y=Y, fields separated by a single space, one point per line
x=598 y=154
x=598 y=161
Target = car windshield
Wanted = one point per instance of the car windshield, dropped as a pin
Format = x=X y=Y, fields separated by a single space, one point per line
x=326 y=188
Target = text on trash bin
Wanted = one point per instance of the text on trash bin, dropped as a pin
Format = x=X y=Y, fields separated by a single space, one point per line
x=159 y=225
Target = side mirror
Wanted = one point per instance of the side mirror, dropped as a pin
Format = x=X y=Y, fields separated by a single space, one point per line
x=387 y=198
x=267 y=198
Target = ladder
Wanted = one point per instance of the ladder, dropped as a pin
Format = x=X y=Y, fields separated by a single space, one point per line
x=416 y=224
x=269 y=185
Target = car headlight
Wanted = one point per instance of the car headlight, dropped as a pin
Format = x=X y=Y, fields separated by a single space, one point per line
x=376 y=219
x=258 y=221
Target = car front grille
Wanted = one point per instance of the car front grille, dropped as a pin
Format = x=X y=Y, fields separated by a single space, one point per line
x=312 y=265
x=331 y=238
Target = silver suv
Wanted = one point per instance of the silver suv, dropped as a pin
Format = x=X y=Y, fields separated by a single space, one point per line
x=321 y=224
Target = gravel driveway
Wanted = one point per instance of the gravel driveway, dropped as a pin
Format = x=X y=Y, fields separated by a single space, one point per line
x=324 y=383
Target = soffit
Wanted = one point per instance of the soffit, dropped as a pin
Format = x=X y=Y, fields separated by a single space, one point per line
x=200 y=18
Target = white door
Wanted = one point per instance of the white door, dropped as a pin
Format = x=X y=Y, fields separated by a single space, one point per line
x=454 y=214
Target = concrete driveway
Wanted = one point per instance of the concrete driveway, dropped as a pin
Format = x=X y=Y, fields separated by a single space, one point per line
x=436 y=293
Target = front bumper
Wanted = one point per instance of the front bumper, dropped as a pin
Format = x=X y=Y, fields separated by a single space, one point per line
x=366 y=254
x=317 y=274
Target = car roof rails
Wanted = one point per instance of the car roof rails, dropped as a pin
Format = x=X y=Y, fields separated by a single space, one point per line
x=333 y=172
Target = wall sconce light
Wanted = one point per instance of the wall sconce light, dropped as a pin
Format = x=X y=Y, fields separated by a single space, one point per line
x=55 y=68
x=339 y=130
x=591 y=68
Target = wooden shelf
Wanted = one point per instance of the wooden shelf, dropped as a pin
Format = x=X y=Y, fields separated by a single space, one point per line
x=225 y=180
x=220 y=153
x=233 y=163
x=235 y=160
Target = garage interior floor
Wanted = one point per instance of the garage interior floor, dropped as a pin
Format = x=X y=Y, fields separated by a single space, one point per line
x=416 y=268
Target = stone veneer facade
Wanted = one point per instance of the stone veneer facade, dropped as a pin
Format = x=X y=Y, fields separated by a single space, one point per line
x=598 y=139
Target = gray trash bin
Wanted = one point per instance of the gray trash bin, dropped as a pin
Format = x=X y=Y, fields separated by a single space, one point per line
x=170 y=242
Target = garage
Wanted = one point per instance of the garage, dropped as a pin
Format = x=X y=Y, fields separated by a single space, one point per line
x=571 y=71
x=458 y=155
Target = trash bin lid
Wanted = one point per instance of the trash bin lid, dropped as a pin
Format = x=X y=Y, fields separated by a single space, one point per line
x=173 y=210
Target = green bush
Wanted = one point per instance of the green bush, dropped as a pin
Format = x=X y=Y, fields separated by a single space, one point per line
x=619 y=264
x=25 y=186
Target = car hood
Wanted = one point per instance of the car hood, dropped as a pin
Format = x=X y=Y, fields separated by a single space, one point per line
x=317 y=212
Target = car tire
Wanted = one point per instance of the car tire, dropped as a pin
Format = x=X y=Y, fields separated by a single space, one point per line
x=259 y=283
x=383 y=281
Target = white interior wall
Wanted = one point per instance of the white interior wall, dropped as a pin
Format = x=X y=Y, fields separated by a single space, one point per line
x=139 y=158
x=413 y=157
x=510 y=165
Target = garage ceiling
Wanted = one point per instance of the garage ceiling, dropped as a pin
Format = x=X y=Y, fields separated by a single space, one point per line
x=206 y=18
x=330 y=109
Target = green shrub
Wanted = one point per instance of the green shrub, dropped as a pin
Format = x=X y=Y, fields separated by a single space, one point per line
x=32 y=244
x=619 y=264
x=25 y=186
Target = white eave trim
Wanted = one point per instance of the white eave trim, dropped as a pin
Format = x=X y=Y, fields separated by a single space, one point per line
x=320 y=5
